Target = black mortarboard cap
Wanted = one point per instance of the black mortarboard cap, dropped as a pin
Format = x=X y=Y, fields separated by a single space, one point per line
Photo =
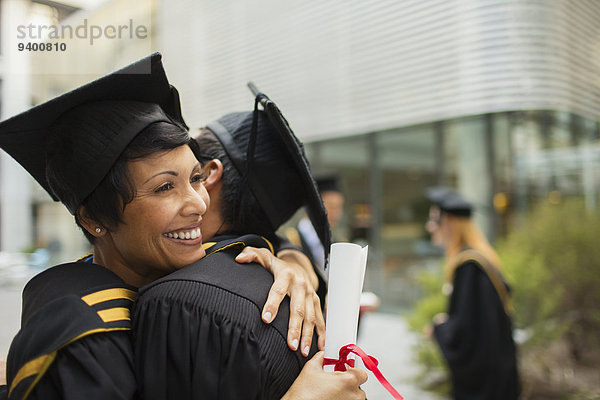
x=274 y=163
x=97 y=120
x=328 y=184
x=450 y=201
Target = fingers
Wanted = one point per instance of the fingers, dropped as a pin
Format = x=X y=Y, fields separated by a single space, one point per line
x=313 y=320
x=350 y=381
x=253 y=254
x=316 y=361
x=280 y=286
x=247 y=255
x=275 y=297
x=358 y=376
x=297 y=315
x=308 y=326
x=305 y=307
x=355 y=376
x=320 y=322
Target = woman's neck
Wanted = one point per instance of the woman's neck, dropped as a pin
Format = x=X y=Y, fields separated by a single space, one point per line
x=108 y=260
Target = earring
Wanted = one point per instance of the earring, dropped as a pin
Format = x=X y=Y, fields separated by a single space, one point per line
x=98 y=230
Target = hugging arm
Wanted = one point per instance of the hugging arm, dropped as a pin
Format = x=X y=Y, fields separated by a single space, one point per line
x=294 y=276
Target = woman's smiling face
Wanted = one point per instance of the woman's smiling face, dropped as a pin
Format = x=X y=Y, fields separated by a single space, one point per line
x=161 y=229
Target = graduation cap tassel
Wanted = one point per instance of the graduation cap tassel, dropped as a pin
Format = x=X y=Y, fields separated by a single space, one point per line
x=250 y=156
x=252 y=139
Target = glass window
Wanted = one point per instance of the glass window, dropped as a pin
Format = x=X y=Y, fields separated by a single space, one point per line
x=502 y=162
x=348 y=160
x=408 y=165
x=556 y=156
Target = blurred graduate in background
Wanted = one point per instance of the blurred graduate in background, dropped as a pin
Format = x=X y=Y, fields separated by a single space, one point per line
x=475 y=336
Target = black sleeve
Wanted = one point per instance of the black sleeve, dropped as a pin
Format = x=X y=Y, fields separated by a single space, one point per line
x=183 y=352
x=470 y=338
x=286 y=244
x=99 y=366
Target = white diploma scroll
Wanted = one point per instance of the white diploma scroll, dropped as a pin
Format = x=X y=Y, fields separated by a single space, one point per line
x=346 y=276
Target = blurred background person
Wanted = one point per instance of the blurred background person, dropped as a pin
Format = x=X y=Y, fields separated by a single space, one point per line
x=475 y=336
x=305 y=236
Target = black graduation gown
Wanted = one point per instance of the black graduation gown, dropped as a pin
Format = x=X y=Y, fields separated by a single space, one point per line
x=198 y=332
x=74 y=341
x=476 y=340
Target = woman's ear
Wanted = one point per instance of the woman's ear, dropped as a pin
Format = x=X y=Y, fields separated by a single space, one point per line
x=92 y=227
x=214 y=172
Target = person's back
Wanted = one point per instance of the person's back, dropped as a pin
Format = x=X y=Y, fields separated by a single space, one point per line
x=477 y=339
x=217 y=344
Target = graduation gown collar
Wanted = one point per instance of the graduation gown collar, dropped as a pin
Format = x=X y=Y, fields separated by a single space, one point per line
x=471 y=255
x=226 y=240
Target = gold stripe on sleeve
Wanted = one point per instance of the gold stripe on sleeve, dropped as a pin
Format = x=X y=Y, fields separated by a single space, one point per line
x=208 y=245
x=226 y=247
x=109 y=294
x=114 y=314
x=32 y=367
x=269 y=243
x=80 y=259
x=39 y=366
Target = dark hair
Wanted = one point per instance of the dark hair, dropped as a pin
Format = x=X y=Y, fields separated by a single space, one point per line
x=107 y=202
x=239 y=208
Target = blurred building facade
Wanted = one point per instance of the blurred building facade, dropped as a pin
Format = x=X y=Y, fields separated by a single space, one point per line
x=30 y=219
x=15 y=215
x=18 y=194
x=500 y=100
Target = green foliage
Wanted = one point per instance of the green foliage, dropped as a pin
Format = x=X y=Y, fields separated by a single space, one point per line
x=584 y=396
x=433 y=301
x=427 y=352
x=29 y=249
x=553 y=262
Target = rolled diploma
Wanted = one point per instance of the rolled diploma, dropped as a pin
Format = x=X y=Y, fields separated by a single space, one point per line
x=346 y=276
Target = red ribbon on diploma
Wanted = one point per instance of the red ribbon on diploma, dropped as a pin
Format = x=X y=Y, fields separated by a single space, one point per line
x=370 y=362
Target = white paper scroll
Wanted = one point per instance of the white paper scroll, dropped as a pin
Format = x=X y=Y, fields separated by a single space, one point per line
x=346 y=276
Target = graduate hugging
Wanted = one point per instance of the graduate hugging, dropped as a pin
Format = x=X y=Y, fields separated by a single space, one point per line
x=162 y=309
